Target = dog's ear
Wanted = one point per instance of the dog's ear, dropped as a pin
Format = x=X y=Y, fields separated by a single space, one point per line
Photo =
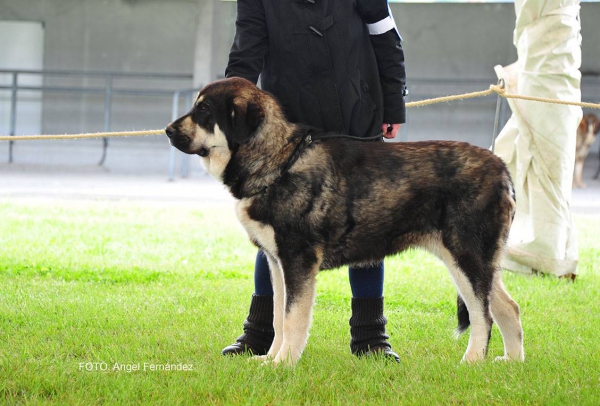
x=596 y=124
x=246 y=117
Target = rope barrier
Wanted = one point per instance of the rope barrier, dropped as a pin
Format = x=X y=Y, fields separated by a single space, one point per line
x=81 y=136
x=503 y=93
x=500 y=90
x=443 y=99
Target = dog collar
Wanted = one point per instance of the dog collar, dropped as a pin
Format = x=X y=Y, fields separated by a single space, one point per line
x=300 y=147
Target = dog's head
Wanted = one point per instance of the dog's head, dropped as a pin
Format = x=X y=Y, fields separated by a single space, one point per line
x=225 y=115
x=590 y=124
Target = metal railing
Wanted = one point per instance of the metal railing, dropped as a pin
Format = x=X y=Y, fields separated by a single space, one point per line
x=419 y=88
x=109 y=90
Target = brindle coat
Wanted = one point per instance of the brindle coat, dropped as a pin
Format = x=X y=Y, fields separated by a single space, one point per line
x=330 y=202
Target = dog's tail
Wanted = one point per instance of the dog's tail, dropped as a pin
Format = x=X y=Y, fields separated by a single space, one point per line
x=463 y=316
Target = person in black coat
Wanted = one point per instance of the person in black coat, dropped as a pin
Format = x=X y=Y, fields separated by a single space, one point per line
x=337 y=65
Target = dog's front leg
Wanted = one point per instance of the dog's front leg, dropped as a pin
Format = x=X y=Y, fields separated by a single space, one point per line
x=278 y=305
x=578 y=182
x=300 y=283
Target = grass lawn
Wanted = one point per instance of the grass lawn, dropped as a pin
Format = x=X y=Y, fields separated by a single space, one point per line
x=98 y=300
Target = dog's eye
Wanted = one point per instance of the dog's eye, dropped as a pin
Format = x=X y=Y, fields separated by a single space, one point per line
x=203 y=107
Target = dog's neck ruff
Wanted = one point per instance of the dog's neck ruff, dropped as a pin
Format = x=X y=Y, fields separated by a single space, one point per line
x=296 y=153
x=306 y=140
x=298 y=150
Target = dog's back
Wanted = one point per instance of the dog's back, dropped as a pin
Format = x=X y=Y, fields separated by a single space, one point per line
x=405 y=194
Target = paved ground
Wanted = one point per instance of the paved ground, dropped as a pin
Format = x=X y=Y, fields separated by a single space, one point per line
x=93 y=183
x=142 y=174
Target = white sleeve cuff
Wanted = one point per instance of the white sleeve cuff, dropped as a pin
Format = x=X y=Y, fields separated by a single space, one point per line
x=381 y=27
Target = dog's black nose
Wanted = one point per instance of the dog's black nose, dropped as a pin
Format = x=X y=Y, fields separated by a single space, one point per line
x=169 y=131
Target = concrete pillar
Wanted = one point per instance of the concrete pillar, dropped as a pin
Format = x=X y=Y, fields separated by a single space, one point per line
x=205 y=42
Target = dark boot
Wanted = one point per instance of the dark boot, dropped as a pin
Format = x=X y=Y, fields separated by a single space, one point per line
x=367 y=329
x=258 y=329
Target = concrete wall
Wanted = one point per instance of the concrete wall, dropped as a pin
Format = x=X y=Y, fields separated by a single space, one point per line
x=454 y=41
x=110 y=35
x=442 y=41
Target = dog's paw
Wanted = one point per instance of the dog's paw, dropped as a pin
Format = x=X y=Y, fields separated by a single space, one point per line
x=258 y=358
x=506 y=358
x=287 y=361
x=264 y=360
x=472 y=358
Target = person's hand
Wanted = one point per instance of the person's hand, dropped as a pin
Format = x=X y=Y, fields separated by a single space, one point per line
x=390 y=130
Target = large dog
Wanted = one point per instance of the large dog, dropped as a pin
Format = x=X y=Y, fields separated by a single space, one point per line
x=586 y=135
x=314 y=201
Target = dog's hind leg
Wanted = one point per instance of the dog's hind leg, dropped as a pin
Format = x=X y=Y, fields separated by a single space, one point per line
x=300 y=291
x=479 y=316
x=475 y=297
x=476 y=300
x=505 y=312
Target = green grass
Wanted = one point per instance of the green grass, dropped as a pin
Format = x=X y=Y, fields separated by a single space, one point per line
x=132 y=283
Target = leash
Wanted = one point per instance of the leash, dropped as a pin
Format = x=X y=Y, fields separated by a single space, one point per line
x=350 y=137
x=309 y=138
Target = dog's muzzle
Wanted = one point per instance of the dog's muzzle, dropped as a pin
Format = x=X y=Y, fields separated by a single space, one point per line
x=171 y=132
x=177 y=140
x=182 y=142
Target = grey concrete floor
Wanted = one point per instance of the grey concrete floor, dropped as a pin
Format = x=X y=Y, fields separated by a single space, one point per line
x=94 y=183
x=134 y=169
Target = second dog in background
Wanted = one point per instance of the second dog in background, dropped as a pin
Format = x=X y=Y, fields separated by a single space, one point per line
x=586 y=135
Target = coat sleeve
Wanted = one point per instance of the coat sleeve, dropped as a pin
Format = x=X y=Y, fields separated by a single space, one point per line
x=387 y=45
x=250 y=44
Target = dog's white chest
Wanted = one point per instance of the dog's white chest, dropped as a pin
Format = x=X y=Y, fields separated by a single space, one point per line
x=261 y=233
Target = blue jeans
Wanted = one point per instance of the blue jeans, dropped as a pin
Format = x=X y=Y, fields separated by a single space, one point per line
x=364 y=282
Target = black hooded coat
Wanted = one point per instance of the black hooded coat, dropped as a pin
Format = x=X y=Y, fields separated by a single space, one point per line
x=318 y=58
